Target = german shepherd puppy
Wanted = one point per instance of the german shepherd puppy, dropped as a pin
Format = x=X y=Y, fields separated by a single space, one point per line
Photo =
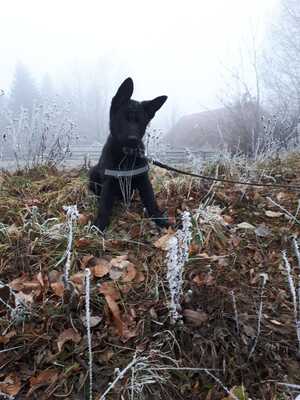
x=123 y=166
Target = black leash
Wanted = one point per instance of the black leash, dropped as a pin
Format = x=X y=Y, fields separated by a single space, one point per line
x=209 y=178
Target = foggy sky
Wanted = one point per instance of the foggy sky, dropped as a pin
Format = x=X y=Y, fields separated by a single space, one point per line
x=178 y=48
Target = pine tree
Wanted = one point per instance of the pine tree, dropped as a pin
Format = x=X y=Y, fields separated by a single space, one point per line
x=23 y=92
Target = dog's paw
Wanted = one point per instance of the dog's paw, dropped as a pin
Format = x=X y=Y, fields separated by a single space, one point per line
x=162 y=220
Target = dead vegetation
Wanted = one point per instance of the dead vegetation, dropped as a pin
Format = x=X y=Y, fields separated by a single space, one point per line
x=238 y=235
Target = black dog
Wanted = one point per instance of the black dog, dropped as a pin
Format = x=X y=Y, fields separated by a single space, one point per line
x=122 y=166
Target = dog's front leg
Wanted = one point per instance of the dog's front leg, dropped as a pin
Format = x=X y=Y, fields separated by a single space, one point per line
x=147 y=195
x=105 y=206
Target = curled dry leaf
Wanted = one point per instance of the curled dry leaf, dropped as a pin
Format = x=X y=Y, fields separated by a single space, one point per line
x=58 y=288
x=122 y=268
x=83 y=219
x=245 y=225
x=94 y=321
x=101 y=267
x=197 y=318
x=25 y=285
x=204 y=280
x=66 y=336
x=11 y=385
x=273 y=214
x=111 y=294
x=44 y=378
x=6 y=338
x=162 y=242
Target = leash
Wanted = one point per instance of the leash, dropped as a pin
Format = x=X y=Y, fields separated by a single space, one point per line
x=209 y=178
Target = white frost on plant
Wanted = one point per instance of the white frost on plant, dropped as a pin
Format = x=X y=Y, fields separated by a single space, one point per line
x=72 y=216
x=295 y=294
x=177 y=256
x=88 y=327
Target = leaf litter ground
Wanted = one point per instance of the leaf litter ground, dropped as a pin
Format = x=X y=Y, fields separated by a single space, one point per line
x=238 y=234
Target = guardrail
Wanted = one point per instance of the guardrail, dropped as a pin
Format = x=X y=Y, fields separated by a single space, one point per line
x=80 y=154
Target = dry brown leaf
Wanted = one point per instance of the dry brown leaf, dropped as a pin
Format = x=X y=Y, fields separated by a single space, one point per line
x=6 y=338
x=197 y=318
x=11 y=385
x=86 y=260
x=82 y=243
x=78 y=278
x=66 y=336
x=94 y=321
x=120 y=261
x=26 y=285
x=58 y=288
x=105 y=356
x=162 y=242
x=130 y=273
x=43 y=378
x=83 y=219
x=101 y=267
x=273 y=214
x=109 y=289
x=204 y=280
x=111 y=295
x=140 y=277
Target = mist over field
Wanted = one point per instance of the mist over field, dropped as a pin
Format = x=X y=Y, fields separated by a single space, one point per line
x=205 y=56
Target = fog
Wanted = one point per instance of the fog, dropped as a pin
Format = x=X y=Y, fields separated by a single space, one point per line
x=186 y=50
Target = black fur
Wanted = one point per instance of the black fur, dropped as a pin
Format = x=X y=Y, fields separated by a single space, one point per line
x=128 y=122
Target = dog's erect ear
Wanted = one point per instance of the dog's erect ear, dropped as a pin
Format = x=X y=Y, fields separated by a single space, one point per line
x=123 y=93
x=152 y=106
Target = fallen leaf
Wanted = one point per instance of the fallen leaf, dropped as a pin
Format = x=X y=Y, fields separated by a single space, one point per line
x=197 y=318
x=273 y=214
x=163 y=241
x=245 y=225
x=82 y=243
x=66 y=336
x=101 y=267
x=111 y=295
x=262 y=231
x=78 y=278
x=26 y=285
x=85 y=261
x=42 y=379
x=109 y=289
x=58 y=288
x=11 y=385
x=6 y=338
x=204 y=280
x=94 y=321
x=83 y=219
x=105 y=356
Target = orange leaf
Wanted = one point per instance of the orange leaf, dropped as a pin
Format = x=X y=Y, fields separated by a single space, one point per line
x=101 y=267
x=58 y=288
x=6 y=338
x=82 y=243
x=85 y=260
x=11 y=385
x=162 y=242
x=197 y=318
x=68 y=335
x=111 y=295
x=43 y=378
x=129 y=273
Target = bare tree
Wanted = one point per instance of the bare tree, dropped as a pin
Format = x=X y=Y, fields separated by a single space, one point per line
x=281 y=68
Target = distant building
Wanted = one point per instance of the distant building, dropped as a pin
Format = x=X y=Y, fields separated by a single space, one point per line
x=237 y=128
